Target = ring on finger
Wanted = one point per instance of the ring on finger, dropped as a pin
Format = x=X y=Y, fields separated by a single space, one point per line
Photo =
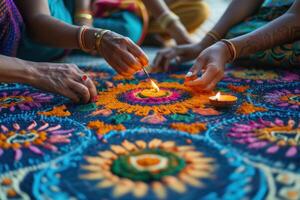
x=84 y=77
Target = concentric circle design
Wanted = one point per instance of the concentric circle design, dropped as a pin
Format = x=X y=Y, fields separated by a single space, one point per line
x=153 y=164
x=134 y=98
x=27 y=139
x=272 y=138
x=283 y=97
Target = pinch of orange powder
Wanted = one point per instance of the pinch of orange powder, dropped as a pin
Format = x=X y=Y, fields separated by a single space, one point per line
x=248 y=108
x=60 y=111
x=103 y=128
x=193 y=128
x=238 y=88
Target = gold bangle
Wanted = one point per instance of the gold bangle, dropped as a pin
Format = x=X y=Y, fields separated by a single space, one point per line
x=214 y=35
x=231 y=48
x=99 y=36
x=166 y=19
x=81 y=43
x=84 y=16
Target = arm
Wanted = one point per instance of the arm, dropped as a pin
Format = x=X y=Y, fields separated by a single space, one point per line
x=64 y=79
x=83 y=12
x=237 y=11
x=176 y=30
x=284 y=29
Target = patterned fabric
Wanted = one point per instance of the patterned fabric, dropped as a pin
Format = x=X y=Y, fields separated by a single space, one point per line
x=10 y=27
x=138 y=143
x=283 y=55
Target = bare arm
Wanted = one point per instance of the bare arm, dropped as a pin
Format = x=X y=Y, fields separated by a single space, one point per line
x=284 y=29
x=45 y=29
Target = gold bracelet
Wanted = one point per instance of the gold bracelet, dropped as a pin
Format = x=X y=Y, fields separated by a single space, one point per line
x=214 y=35
x=84 y=16
x=231 y=48
x=81 y=34
x=99 y=36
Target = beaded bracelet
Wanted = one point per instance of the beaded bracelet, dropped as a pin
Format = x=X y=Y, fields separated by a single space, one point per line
x=231 y=48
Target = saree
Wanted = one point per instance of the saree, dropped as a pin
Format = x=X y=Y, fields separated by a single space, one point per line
x=10 y=28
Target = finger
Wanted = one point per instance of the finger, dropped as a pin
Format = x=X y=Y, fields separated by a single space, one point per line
x=131 y=61
x=206 y=78
x=138 y=53
x=213 y=84
x=196 y=68
x=71 y=95
x=92 y=89
x=123 y=69
x=81 y=90
x=157 y=61
x=168 y=58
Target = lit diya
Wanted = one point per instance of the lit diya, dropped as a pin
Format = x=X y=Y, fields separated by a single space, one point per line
x=222 y=100
x=154 y=92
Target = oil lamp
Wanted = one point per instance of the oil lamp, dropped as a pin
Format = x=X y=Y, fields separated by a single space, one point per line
x=222 y=100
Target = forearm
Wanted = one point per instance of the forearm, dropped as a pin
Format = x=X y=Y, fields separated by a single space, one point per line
x=82 y=5
x=237 y=11
x=14 y=70
x=283 y=30
x=156 y=7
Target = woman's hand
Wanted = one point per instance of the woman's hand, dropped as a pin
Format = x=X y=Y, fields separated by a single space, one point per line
x=64 y=79
x=122 y=54
x=180 y=54
x=211 y=62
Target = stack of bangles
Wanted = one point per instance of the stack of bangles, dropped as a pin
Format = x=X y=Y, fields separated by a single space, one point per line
x=214 y=35
x=166 y=19
x=98 y=39
x=231 y=49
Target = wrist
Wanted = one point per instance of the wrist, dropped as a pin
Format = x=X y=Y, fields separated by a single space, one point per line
x=225 y=50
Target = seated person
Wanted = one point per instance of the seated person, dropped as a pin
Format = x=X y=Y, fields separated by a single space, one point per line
x=137 y=19
x=66 y=79
x=266 y=32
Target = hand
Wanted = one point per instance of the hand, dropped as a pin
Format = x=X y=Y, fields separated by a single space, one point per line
x=122 y=54
x=212 y=62
x=180 y=53
x=64 y=79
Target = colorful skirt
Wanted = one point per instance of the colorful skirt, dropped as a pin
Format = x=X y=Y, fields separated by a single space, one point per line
x=283 y=55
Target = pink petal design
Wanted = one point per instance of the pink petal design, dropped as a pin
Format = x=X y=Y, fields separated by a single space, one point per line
x=46 y=125
x=24 y=107
x=273 y=149
x=32 y=125
x=291 y=123
x=12 y=108
x=241 y=130
x=35 y=149
x=26 y=93
x=16 y=126
x=257 y=145
x=154 y=119
x=15 y=93
x=62 y=131
x=51 y=147
x=4 y=94
x=291 y=152
x=18 y=154
x=279 y=122
x=54 y=128
x=4 y=128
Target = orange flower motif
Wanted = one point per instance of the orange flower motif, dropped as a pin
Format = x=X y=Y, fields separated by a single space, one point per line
x=238 y=88
x=193 y=128
x=248 y=108
x=103 y=128
x=59 y=111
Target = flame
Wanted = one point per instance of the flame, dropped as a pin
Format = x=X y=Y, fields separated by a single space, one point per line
x=218 y=96
x=155 y=87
